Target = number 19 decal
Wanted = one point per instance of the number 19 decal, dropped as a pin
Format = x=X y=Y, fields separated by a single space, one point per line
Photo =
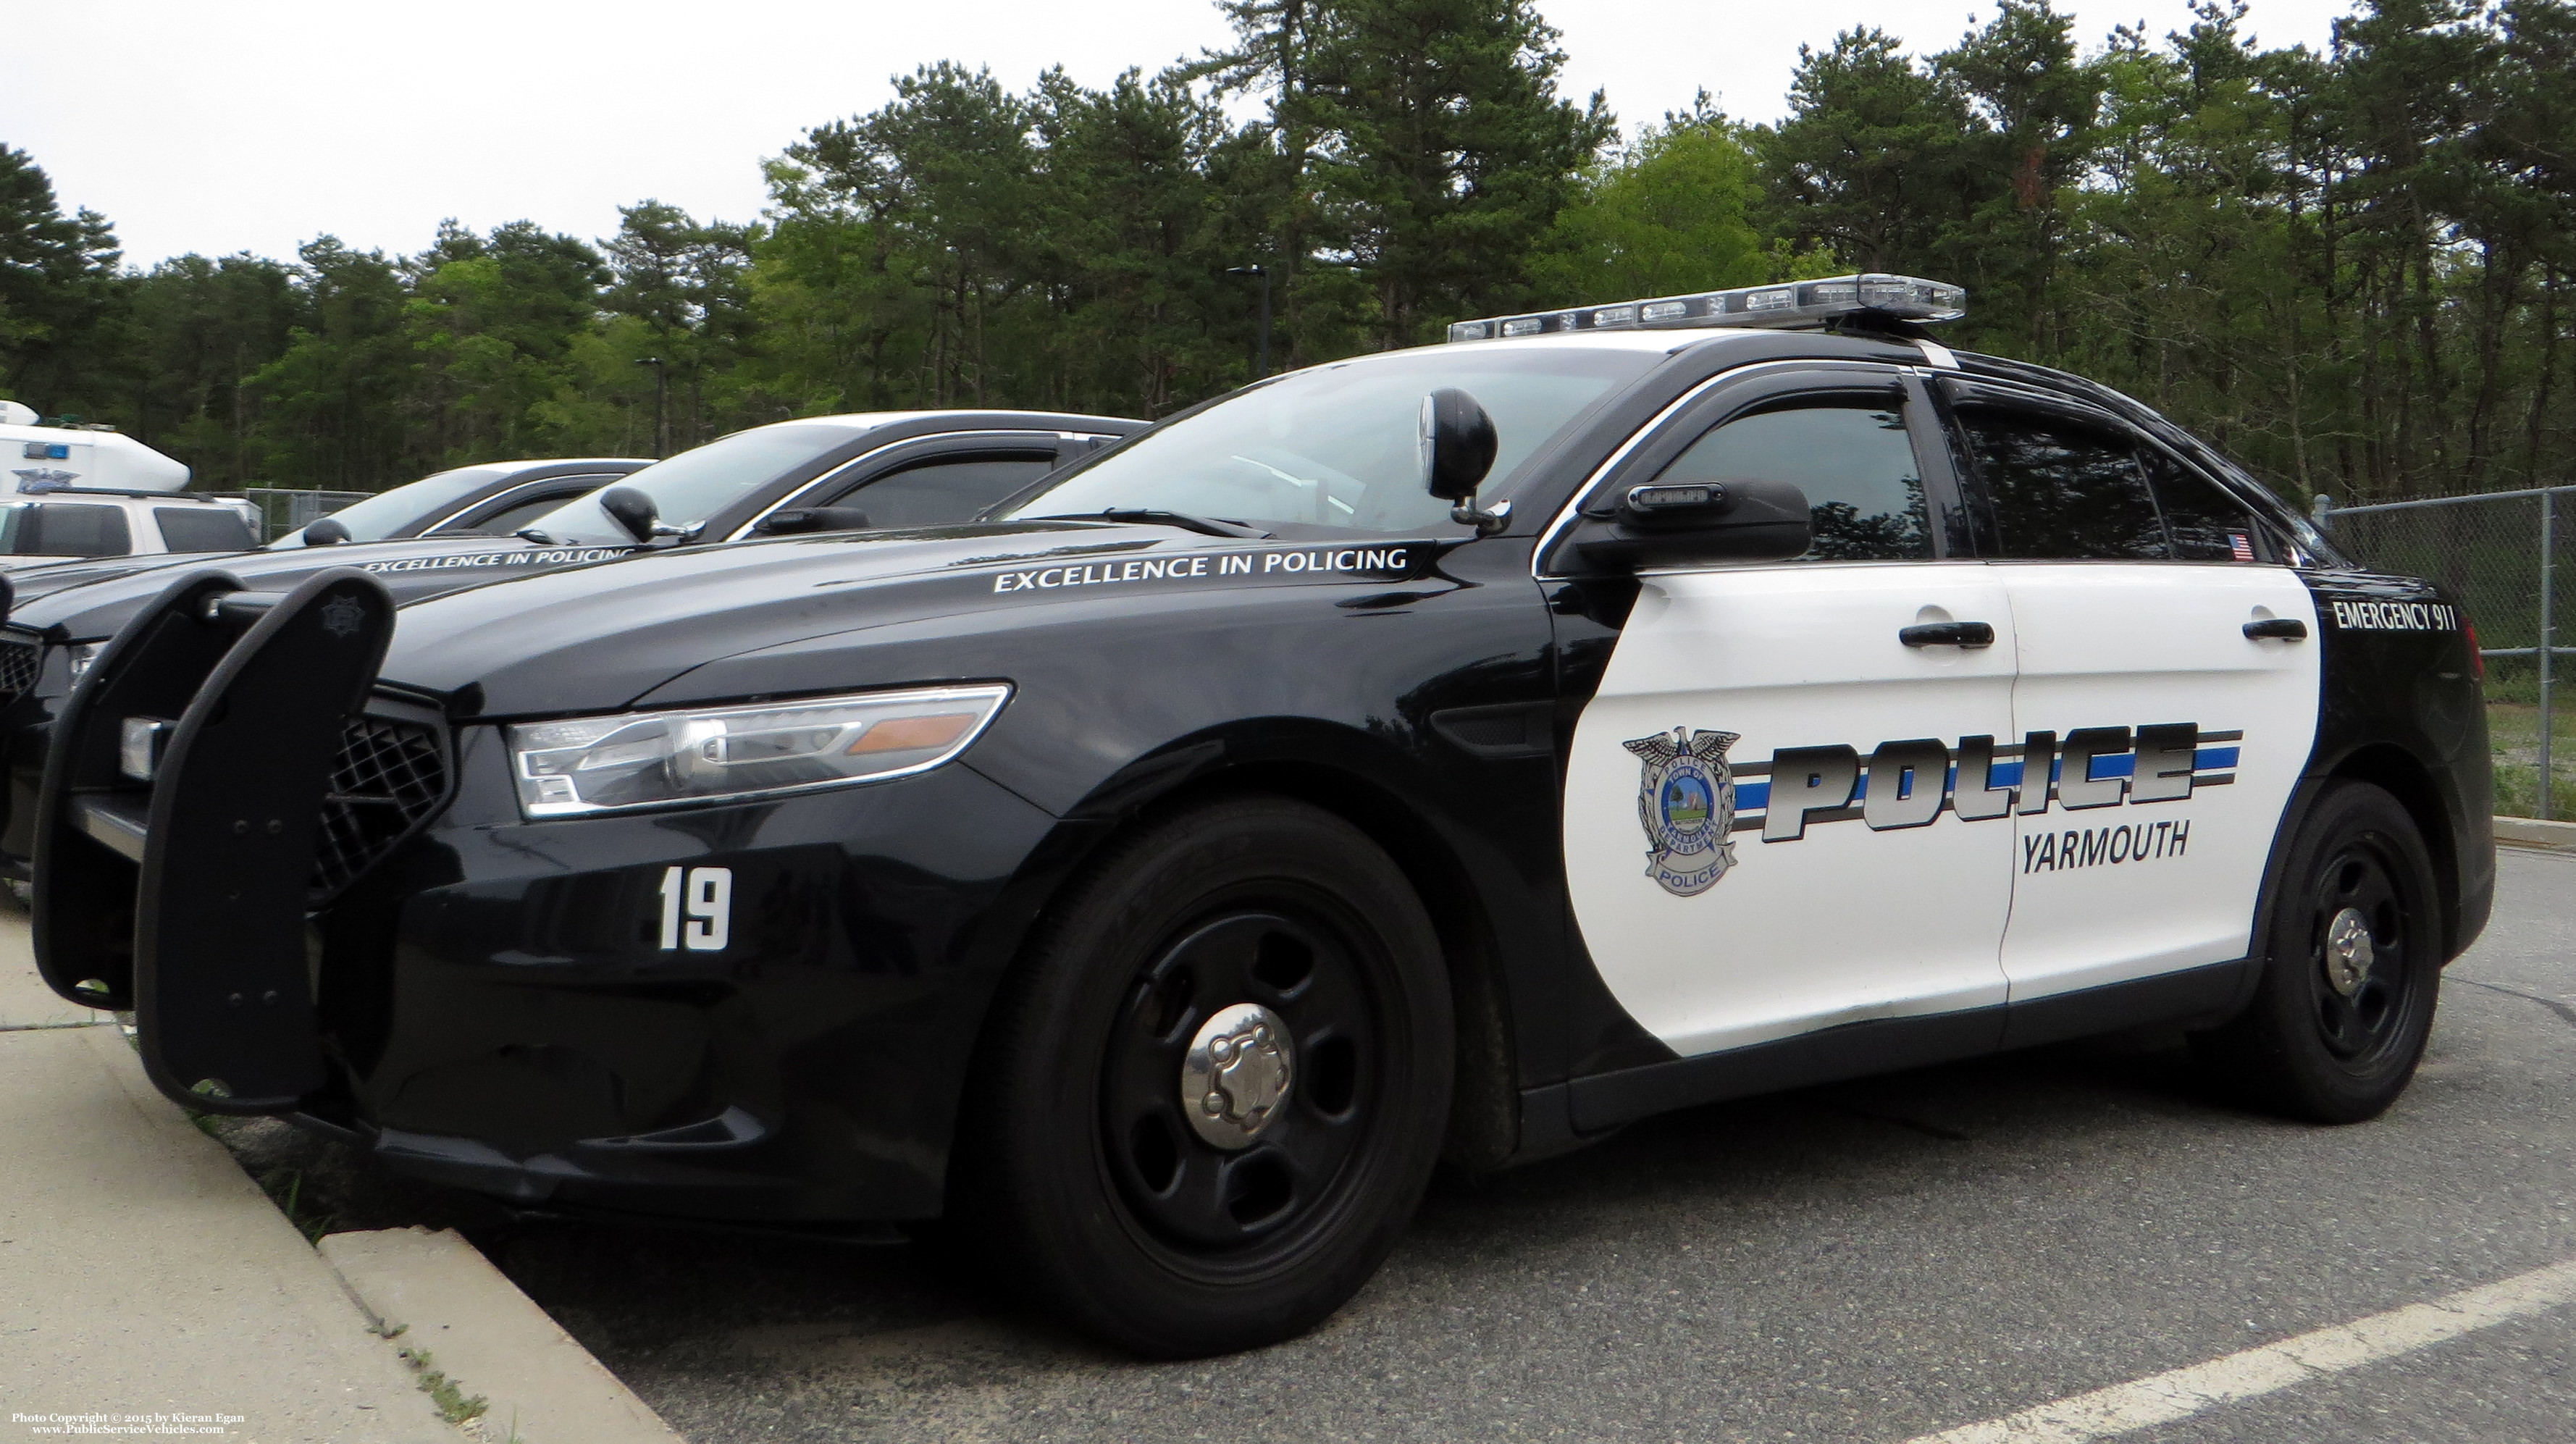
x=697 y=908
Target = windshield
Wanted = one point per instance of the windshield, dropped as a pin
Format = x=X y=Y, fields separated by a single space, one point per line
x=696 y=484
x=1339 y=446
x=387 y=512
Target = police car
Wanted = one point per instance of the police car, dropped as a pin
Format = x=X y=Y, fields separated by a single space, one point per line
x=493 y=498
x=439 y=534
x=1452 y=752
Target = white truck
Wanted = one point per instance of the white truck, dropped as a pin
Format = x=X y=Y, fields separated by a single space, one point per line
x=76 y=492
x=37 y=459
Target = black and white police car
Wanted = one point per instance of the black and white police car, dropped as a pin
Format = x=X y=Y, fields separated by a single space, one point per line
x=448 y=531
x=1459 y=751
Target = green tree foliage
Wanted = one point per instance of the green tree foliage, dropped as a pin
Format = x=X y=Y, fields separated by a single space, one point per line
x=333 y=399
x=1676 y=211
x=205 y=328
x=58 y=292
x=2351 y=266
x=1445 y=151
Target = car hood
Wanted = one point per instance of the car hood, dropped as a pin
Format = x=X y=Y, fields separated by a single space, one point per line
x=88 y=601
x=604 y=637
x=28 y=583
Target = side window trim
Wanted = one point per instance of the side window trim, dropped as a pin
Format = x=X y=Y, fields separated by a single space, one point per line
x=836 y=497
x=873 y=465
x=1724 y=397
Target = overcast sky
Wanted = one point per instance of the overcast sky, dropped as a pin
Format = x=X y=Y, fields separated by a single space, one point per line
x=257 y=124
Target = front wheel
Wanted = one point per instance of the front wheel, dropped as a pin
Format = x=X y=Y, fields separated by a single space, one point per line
x=1211 y=1095
x=2353 y=964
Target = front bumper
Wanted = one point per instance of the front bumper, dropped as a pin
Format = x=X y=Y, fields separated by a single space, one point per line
x=504 y=1017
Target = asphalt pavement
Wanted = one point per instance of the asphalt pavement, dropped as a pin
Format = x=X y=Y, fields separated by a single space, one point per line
x=1872 y=1261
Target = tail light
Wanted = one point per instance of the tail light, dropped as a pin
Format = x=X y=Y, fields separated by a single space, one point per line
x=2477 y=658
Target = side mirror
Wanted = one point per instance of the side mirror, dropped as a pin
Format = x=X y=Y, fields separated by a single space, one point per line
x=1699 y=522
x=1458 y=445
x=813 y=518
x=632 y=510
x=325 y=531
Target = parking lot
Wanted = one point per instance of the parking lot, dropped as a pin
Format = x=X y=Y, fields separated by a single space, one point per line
x=1871 y=1261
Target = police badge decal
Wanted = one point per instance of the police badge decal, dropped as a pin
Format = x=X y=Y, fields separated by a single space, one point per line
x=1686 y=802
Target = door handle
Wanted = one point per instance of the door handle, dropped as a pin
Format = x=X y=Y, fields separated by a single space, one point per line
x=2287 y=629
x=1947 y=634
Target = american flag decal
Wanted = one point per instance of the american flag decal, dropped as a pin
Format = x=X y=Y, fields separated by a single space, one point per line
x=2241 y=545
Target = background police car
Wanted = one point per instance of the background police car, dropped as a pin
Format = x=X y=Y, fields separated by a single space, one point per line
x=447 y=531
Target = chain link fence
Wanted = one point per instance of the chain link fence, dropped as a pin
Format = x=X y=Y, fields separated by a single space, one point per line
x=287 y=510
x=2503 y=557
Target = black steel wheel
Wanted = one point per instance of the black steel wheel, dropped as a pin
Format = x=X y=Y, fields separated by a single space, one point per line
x=1211 y=1095
x=1198 y=1173
x=2352 y=968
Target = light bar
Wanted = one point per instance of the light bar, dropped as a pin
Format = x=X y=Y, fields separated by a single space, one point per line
x=1787 y=305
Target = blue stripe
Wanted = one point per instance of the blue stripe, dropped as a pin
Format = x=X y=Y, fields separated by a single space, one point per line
x=1756 y=796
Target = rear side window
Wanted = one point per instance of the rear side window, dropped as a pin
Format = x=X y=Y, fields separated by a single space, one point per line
x=203 y=529
x=1855 y=462
x=938 y=493
x=2205 y=523
x=508 y=522
x=2063 y=491
x=65 y=529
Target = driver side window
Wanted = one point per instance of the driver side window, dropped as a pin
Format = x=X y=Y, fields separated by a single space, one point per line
x=1854 y=461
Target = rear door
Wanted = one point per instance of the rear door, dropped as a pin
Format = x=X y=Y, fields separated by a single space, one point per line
x=2172 y=740
x=1759 y=836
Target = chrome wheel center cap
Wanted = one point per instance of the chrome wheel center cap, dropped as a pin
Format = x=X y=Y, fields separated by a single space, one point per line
x=1237 y=1075
x=2349 y=953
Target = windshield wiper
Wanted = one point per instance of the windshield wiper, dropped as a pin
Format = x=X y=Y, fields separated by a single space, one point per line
x=1207 y=525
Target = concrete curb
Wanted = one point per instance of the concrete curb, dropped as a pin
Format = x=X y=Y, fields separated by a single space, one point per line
x=144 y=1275
x=433 y=1291
x=25 y=1001
x=2532 y=832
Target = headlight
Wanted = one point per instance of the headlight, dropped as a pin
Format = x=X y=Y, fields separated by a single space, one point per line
x=658 y=759
x=82 y=654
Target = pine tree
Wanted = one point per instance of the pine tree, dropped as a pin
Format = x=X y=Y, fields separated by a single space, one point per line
x=63 y=344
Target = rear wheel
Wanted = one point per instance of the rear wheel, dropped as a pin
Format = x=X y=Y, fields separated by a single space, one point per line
x=2353 y=966
x=1213 y=1092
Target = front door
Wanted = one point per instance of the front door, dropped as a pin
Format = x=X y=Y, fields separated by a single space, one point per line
x=1760 y=833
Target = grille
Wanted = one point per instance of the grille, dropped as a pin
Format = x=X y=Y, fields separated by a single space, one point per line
x=388 y=776
x=19 y=664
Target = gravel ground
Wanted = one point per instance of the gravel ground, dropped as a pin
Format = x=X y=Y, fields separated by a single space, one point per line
x=1866 y=1262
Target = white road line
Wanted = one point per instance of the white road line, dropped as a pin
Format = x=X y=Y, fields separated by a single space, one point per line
x=2181 y=1393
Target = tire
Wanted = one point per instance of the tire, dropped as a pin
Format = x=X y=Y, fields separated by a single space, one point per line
x=2324 y=1040
x=1078 y=1168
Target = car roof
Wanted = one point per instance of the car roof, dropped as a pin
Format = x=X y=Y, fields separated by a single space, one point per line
x=1030 y=420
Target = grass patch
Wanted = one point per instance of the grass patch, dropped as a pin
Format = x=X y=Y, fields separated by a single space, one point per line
x=453 y=1404
x=285 y=1188
x=2513 y=732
